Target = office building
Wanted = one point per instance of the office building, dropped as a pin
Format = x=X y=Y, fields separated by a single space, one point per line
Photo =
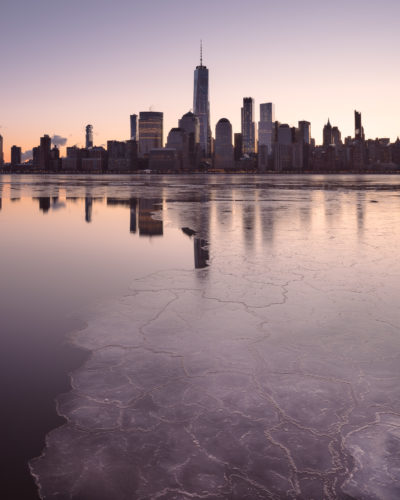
x=336 y=136
x=201 y=106
x=248 y=126
x=304 y=135
x=223 y=152
x=178 y=140
x=15 y=156
x=191 y=125
x=133 y=123
x=238 y=146
x=45 y=152
x=89 y=137
x=327 y=138
x=265 y=125
x=358 y=128
x=150 y=131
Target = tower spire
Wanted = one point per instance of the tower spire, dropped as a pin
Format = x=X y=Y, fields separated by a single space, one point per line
x=201 y=52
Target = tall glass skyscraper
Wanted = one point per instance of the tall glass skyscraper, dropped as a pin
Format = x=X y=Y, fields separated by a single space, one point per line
x=201 y=106
x=265 y=125
x=150 y=131
x=248 y=126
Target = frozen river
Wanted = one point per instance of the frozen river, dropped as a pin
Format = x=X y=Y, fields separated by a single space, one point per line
x=255 y=358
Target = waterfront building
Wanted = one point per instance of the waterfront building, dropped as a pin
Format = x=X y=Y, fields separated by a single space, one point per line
x=201 y=106
x=223 y=154
x=238 y=146
x=358 y=128
x=45 y=152
x=265 y=125
x=283 y=148
x=178 y=140
x=327 y=138
x=191 y=125
x=89 y=136
x=150 y=131
x=248 y=126
x=336 y=136
x=15 y=156
x=133 y=124
x=122 y=155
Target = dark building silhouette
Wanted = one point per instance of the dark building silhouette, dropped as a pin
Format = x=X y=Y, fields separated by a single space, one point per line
x=248 y=126
x=122 y=156
x=44 y=152
x=133 y=126
x=191 y=125
x=15 y=156
x=201 y=106
x=89 y=136
x=358 y=128
x=223 y=148
x=327 y=138
x=178 y=140
x=238 y=146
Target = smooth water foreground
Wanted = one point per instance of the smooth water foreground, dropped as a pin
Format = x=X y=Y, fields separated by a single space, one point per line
x=257 y=358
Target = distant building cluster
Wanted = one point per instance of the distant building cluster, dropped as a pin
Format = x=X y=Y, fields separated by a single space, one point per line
x=266 y=146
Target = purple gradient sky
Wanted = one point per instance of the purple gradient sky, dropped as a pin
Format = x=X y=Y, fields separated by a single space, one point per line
x=68 y=63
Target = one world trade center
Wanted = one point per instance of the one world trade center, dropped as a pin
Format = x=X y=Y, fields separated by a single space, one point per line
x=201 y=106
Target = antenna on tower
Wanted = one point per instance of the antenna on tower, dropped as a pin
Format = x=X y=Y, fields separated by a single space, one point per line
x=201 y=52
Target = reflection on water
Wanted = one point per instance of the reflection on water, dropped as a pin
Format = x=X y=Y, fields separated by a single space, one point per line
x=255 y=353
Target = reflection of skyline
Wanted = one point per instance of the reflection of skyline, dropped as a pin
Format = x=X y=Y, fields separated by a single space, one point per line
x=201 y=254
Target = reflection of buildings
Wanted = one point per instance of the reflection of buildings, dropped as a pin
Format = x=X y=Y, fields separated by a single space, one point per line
x=88 y=208
x=201 y=254
x=44 y=203
x=132 y=224
x=148 y=226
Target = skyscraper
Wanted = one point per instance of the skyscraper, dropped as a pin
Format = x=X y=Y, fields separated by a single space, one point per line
x=15 y=155
x=150 y=131
x=327 y=137
x=359 y=130
x=223 y=153
x=201 y=105
x=89 y=136
x=1 y=152
x=265 y=125
x=133 y=121
x=44 y=152
x=248 y=126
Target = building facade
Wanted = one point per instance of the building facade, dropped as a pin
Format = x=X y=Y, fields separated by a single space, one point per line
x=248 y=126
x=265 y=125
x=89 y=136
x=201 y=107
x=223 y=152
x=150 y=131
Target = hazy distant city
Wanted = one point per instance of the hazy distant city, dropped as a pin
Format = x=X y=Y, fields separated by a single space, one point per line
x=266 y=146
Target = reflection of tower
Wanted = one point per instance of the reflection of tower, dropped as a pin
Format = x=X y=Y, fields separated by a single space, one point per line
x=89 y=136
x=201 y=105
x=44 y=203
x=88 y=208
x=148 y=226
x=201 y=254
x=132 y=225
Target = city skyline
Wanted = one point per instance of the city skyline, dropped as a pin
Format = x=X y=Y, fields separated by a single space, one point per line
x=344 y=60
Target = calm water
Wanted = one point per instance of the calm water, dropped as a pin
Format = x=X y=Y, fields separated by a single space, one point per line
x=256 y=358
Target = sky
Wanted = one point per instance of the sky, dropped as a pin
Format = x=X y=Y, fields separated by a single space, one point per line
x=67 y=63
